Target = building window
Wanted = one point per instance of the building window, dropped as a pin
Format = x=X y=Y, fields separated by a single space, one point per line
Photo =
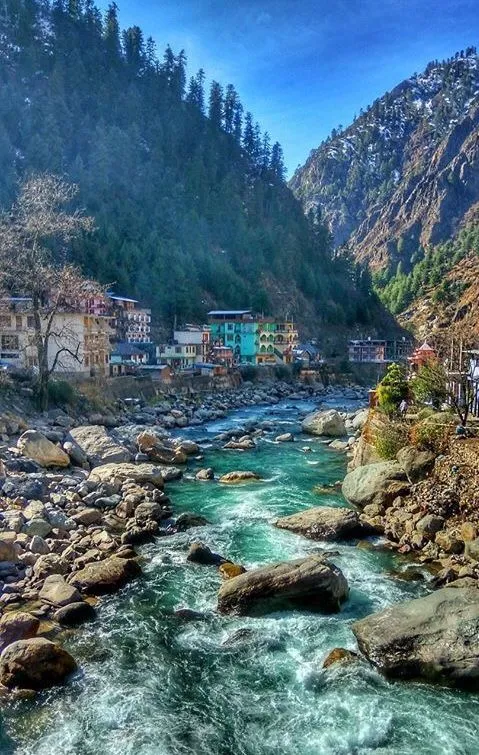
x=10 y=343
x=18 y=322
x=30 y=322
x=5 y=321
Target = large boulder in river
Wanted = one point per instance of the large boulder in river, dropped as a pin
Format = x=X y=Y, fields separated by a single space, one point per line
x=137 y=472
x=311 y=583
x=98 y=445
x=325 y=523
x=377 y=483
x=34 y=664
x=233 y=478
x=434 y=638
x=105 y=576
x=36 y=446
x=329 y=423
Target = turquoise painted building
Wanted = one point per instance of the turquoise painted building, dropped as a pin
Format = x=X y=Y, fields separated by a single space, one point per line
x=236 y=329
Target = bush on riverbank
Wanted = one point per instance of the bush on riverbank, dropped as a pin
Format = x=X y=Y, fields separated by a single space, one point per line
x=390 y=438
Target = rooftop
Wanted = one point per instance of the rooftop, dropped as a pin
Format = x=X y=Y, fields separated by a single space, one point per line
x=215 y=312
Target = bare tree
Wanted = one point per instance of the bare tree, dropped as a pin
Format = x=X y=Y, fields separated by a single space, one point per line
x=452 y=379
x=35 y=237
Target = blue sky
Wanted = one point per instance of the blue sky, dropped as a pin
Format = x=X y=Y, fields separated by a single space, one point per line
x=304 y=66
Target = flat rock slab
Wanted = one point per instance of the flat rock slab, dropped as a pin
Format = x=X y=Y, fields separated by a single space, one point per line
x=232 y=478
x=98 y=445
x=105 y=576
x=311 y=583
x=36 y=446
x=434 y=638
x=57 y=591
x=325 y=523
x=137 y=472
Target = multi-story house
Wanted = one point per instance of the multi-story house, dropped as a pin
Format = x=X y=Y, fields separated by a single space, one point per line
x=237 y=330
x=132 y=323
x=199 y=337
x=379 y=350
x=79 y=342
x=276 y=341
x=179 y=356
x=253 y=339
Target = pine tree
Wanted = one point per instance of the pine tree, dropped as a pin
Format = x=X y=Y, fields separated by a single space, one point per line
x=112 y=33
x=229 y=108
x=277 y=162
x=215 y=105
x=134 y=48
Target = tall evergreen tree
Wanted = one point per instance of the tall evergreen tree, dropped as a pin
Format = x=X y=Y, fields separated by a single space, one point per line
x=215 y=104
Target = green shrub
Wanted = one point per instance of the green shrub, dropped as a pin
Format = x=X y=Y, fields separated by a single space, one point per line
x=390 y=438
x=61 y=393
x=249 y=372
x=392 y=389
x=433 y=433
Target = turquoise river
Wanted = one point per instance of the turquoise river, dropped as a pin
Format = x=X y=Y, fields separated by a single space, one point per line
x=153 y=684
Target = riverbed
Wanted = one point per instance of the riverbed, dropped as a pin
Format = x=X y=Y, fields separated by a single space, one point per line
x=154 y=684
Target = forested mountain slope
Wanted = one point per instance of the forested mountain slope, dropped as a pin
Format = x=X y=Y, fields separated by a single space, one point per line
x=404 y=175
x=188 y=195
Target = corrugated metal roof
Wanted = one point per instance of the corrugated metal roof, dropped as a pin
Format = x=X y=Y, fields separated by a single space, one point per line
x=214 y=312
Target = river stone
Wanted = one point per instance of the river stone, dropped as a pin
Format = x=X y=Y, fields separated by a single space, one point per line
x=435 y=638
x=340 y=656
x=205 y=474
x=37 y=526
x=51 y=563
x=284 y=438
x=243 y=444
x=55 y=590
x=188 y=447
x=157 y=452
x=34 y=664
x=17 y=625
x=375 y=483
x=137 y=472
x=74 y=614
x=329 y=423
x=187 y=520
x=430 y=524
x=325 y=523
x=232 y=478
x=199 y=553
x=87 y=516
x=98 y=446
x=38 y=545
x=7 y=546
x=417 y=464
x=312 y=583
x=105 y=576
x=34 y=445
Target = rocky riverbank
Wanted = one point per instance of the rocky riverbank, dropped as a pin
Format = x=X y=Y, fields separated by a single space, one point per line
x=78 y=493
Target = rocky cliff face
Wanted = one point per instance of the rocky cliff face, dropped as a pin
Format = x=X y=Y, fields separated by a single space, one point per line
x=405 y=173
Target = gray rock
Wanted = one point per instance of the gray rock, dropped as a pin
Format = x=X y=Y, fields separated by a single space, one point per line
x=205 y=474
x=312 y=583
x=325 y=523
x=417 y=464
x=377 y=483
x=429 y=525
x=55 y=590
x=34 y=664
x=37 y=526
x=38 y=545
x=74 y=614
x=284 y=438
x=435 y=638
x=99 y=447
x=105 y=576
x=328 y=423
x=51 y=563
x=36 y=446
x=17 y=625
x=199 y=553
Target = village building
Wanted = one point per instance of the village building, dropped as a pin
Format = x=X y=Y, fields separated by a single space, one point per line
x=421 y=356
x=132 y=323
x=379 y=351
x=179 y=356
x=79 y=341
x=253 y=339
